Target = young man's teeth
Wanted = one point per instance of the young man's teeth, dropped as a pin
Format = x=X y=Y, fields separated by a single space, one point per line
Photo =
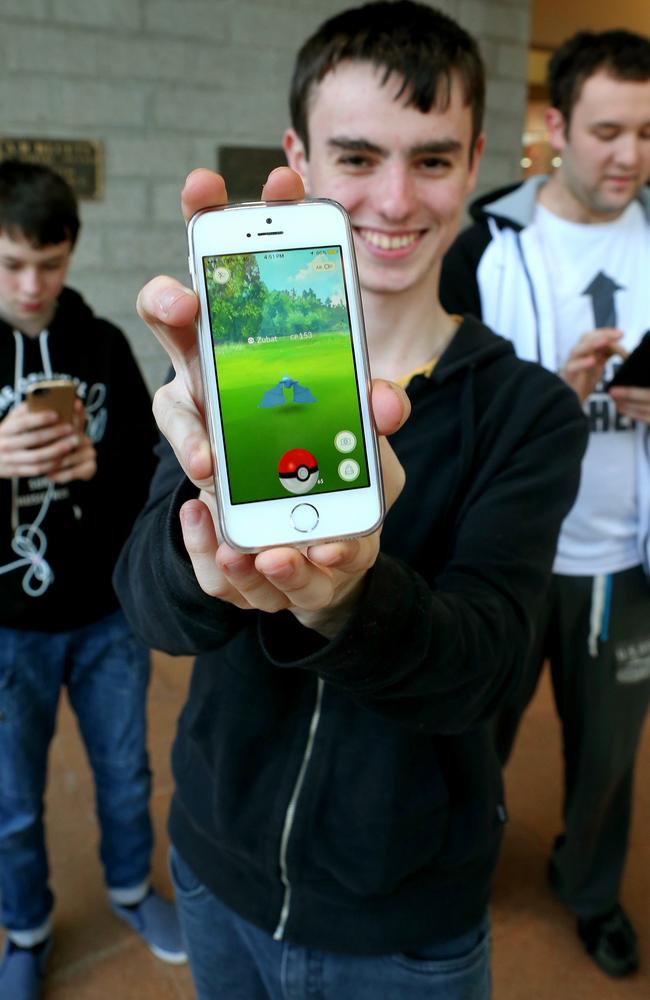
x=386 y=242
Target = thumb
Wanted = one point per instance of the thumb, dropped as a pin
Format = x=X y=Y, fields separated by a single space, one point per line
x=390 y=406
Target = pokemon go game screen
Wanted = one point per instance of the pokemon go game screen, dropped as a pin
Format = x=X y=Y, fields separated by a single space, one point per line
x=285 y=373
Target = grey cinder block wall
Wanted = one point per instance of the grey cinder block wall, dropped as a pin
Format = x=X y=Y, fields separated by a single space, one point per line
x=162 y=83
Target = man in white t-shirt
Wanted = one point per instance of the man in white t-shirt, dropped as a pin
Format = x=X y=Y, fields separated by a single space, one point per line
x=560 y=265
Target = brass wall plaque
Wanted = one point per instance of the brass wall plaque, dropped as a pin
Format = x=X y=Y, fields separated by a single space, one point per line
x=245 y=169
x=80 y=161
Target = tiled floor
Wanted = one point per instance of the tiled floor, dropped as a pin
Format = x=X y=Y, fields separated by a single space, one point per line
x=536 y=954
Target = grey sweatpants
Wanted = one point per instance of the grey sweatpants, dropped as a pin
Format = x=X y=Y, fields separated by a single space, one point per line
x=596 y=633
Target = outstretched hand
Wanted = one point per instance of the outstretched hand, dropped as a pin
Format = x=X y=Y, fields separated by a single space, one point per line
x=320 y=583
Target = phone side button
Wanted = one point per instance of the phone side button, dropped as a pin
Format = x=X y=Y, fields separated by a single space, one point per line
x=304 y=517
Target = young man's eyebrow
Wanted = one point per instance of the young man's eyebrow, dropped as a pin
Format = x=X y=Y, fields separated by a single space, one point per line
x=355 y=145
x=8 y=259
x=435 y=148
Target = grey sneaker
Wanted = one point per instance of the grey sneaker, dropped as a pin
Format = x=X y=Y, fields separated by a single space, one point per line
x=155 y=920
x=22 y=970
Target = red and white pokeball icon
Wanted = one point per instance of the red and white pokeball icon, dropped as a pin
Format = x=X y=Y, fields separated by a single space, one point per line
x=298 y=470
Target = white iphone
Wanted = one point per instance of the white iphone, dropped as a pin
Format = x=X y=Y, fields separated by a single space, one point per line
x=285 y=374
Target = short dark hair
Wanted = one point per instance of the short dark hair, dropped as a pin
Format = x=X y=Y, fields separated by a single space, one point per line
x=621 y=54
x=37 y=203
x=421 y=45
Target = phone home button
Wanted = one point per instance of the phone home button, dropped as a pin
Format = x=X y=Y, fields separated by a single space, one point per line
x=304 y=517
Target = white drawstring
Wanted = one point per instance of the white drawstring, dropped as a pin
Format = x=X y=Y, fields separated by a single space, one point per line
x=29 y=541
x=45 y=352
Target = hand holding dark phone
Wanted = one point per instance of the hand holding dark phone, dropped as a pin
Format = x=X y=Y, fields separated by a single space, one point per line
x=635 y=370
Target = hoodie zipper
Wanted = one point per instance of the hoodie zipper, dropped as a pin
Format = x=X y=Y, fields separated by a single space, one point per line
x=278 y=934
x=533 y=297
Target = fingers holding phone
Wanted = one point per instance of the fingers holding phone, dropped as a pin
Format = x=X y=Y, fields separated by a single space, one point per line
x=33 y=443
x=585 y=364
x=79 y=463
x=632 y=401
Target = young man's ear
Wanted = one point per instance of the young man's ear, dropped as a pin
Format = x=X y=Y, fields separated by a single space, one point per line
x=556 y=127
x=474 y=161
x=294 y=150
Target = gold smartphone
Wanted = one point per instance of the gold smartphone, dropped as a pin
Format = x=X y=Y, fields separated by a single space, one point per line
x=56 y=394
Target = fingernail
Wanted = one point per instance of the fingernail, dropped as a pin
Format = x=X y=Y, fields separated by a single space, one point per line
x=167 y=298
x=190 y=516
x=324 y=557
x=281 y=573
x=199 y=461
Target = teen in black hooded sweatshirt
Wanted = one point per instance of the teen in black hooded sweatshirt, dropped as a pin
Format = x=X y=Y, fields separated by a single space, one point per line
x=69 y=494
x=338 y=797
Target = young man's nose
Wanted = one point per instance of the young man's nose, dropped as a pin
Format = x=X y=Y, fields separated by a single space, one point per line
x=395 y=193
x=30 y=281
x=628 y=151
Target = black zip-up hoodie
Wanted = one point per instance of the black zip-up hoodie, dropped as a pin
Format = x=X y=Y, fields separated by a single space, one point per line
x=345 y=795
x=79 y=528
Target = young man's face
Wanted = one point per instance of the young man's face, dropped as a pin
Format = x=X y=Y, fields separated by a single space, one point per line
x=31 y=280
x=606 y=148
x=402 y=175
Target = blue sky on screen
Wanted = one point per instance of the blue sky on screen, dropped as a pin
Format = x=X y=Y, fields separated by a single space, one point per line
x=299 y=270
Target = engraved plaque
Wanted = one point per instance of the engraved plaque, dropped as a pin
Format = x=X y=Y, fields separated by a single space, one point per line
x=245 y=169
x=79 y=161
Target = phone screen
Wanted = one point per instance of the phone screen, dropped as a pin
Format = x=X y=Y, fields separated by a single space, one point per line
x=285 y=373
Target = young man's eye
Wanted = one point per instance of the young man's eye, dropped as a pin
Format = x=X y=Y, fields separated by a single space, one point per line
x=354 y=160
x=606 y=134
x=434 y=164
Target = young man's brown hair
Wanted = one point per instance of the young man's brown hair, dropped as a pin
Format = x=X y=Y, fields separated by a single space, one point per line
x=37 y=203
x=417 y=43
x=622 y=54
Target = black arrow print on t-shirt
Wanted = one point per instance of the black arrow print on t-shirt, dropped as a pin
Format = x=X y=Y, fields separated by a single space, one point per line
x=601 y=292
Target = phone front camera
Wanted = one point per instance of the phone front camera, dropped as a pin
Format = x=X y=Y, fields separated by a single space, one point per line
x=248 y=234
x=269 y=221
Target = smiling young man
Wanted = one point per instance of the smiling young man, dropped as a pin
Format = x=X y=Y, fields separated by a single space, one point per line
x=338 y=809
x=560 y=266
x=69 y=493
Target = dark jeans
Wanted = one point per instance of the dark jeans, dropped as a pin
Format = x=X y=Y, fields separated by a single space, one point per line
x=232 y=959
x=106 y=673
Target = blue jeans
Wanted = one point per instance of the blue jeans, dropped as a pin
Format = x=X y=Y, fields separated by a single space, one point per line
x=106 y=673
x=233 y=960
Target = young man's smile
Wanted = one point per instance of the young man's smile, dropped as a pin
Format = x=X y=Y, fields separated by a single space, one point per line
x=388 y=245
